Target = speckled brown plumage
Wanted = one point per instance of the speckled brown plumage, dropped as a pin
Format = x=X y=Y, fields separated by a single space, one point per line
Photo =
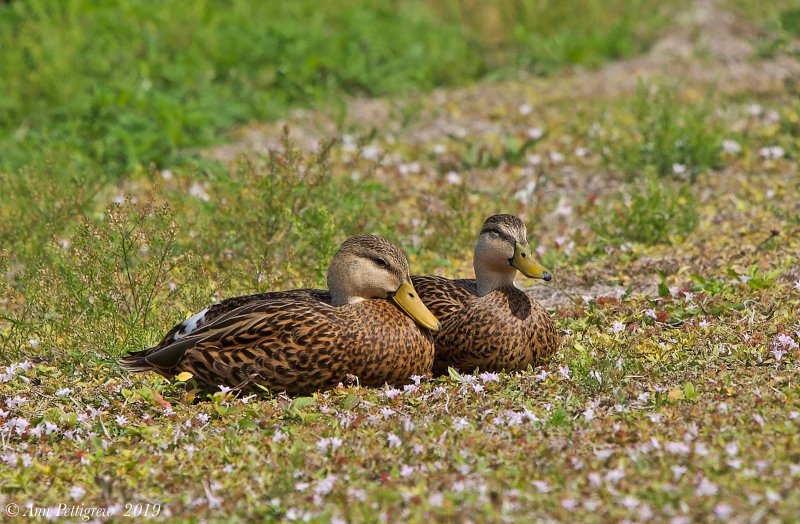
x=505 y=329
x=297 y=341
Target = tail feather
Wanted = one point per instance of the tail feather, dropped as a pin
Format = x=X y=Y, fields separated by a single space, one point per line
x=136 y=361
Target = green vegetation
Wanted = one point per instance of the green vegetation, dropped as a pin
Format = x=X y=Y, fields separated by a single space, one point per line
x=113 y=85
x=654 y=213
x=667 y=215
x=673 y=136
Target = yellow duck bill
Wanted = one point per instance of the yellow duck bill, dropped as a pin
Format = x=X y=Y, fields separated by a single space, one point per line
x=407 y=298
x=525 y=263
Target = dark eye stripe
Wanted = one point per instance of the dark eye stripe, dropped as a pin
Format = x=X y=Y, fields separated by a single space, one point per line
x=502 y=235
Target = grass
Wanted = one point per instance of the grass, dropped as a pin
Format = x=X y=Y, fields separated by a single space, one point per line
x=115 y=85
x=673 y=395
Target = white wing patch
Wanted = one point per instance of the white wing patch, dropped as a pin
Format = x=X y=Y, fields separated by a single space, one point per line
x=190 y=324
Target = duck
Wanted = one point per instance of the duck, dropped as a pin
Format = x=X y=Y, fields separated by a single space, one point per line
x=487 y=322
x=370 y=326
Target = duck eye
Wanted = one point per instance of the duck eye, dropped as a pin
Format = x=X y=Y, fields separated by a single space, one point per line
x=494 y=233
x=381 y=262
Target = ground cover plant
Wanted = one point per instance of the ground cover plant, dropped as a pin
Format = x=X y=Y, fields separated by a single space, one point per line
x=666 y=208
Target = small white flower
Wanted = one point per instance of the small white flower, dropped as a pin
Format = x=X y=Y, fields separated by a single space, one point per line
x=77 y=492
x=121 y=420
x=581 y=152
x=278 y=436
x=371 y=152
x=678 y=169
x=722 y=511
x=541 y=485
x=34 y=343
x=618 y=327
x=541 y=376
x=556 y=157
x=706 y=488
x=478 y=388
x=797 y=285
x=392 y=393
x=596 y=375
x=588 y=414
x=677 y=472
x=564 y=370
x=534 y=160
x=453 y=178
x=393 y=440
x=489 y=377
x=63 y=391
x=224 y=389
x=525 y=109
x=731 y=147
x=460 y=423
x=535 y=133
x=650 y=313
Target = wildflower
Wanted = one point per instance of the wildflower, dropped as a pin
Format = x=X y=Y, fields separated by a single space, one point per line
x=410 y=388
x=533 y=159
x=678 y=472
x=77 y=492
x=569 y=504
x=771 y=152
x=325 y=485
x=541 y=485
x=416 y=378
x=392 y=393
x=535 y=133
x=453 y=178
x=745 y=279
x=797 y=285
x=700 y=449
x=677 y=448
x=525 y=109
x=596 y=375
x=278 y=436
x=18 y=424
x=489 y=377
x=393 y=440
x=460 y=423
x=556 y=157
x=436 y=500
x=407 y=471
x=615 y=475
x=478 y=388
x=650 y=313
x=439 y=149
x=706 y=488
x=678 y=169
x=34 y=343
x=203 y=417
x=786 y=342
x=387 y=412
x=564 y=370
x=198 y=190
x=722 y=511
x=588 y=414
x=371 y=152
x=778 y=353
x=121 y=420
x=731 y=147
x=63 y=391
x=224 y=389
x=581 y=152
x=629 y=502
x=772 y=496
x=15 y=402
x=618 y=327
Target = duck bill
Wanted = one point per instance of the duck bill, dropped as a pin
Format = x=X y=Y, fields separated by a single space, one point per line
x=407 y=298
x=525 y=263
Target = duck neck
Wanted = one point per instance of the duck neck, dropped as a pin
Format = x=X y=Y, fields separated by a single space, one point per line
x=489 y=279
